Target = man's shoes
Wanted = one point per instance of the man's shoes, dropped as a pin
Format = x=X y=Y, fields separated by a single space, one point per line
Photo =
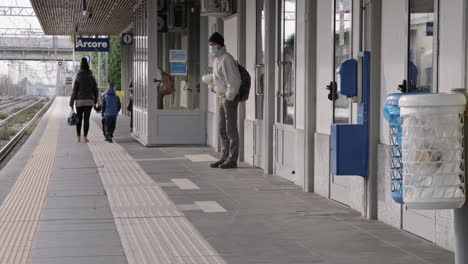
x=228 y=165
x=216 y=164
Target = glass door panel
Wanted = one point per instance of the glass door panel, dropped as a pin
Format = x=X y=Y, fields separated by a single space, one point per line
x=343 y=50
x=259 y=60
x=421 y=46
x=286 y=95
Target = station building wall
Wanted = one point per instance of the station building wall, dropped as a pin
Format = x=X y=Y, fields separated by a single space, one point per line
x=393 y=54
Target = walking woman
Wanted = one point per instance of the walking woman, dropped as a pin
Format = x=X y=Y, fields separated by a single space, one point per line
x=84 y=97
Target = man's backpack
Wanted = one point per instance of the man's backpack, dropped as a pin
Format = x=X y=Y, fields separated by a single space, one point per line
x=244 y=89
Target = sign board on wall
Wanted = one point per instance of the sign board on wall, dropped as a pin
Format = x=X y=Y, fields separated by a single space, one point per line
x=92 y=44
x=178 y=61
x=127 y=38
x=430 y=29
x=177 y=56
x=178 y=68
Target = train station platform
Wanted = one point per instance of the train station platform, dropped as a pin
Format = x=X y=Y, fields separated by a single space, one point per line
x=68 y=202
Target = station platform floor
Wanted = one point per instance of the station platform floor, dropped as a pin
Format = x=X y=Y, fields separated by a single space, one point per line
x=68 y=202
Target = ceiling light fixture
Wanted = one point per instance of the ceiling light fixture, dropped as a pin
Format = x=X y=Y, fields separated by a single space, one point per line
x=84 y=8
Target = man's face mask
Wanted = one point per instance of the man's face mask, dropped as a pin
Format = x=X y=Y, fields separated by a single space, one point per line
x=213 y=50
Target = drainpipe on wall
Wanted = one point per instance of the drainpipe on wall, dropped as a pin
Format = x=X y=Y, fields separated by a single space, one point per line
x=217 y=142
x=241 y=46
x=310 y=93
x=269 y=91
x=372 y=43
x=460 y=216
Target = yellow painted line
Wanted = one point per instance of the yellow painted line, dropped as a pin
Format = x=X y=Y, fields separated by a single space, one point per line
x=21 y=210
x=151 y=227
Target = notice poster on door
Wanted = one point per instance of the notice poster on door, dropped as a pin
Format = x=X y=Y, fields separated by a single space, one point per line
x=177 y=56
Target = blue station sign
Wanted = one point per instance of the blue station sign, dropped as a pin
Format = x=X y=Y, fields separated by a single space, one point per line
x=92 y=44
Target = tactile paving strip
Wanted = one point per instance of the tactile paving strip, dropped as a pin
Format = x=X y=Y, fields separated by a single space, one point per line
x=150 y=226
x=21 y=210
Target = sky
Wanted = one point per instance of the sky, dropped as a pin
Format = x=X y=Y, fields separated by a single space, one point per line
x=18 y=22
x=35 y=69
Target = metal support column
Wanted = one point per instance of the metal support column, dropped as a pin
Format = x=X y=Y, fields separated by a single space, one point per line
x=371 y=40
x=461 y=231
x=269 y=91
x=310 y=93
x=241 y=29
x=460 y=223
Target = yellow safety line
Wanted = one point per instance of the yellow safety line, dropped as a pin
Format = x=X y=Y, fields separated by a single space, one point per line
x=21 y=210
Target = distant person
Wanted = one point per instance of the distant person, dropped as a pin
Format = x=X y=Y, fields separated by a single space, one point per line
x=110 y=110
x=83 y=98
x=130 y=106
x=226 y=84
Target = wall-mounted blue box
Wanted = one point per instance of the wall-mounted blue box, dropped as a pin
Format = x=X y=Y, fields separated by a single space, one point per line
x=349 y=149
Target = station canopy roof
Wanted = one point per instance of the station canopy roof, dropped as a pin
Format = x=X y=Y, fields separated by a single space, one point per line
x=65 y=17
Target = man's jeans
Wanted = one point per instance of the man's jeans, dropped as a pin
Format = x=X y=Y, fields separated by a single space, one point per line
x=228 y=130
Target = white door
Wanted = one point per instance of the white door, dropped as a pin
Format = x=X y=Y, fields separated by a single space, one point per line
x=421 y=76
x=342 y=50
x=259 y=83
x=285 y=105
x=408 y=36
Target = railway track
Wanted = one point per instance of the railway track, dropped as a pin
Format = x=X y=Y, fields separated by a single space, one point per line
x=6 y=149
x=16 y=101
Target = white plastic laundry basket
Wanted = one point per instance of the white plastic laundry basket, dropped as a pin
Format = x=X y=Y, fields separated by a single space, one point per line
x=432 y=150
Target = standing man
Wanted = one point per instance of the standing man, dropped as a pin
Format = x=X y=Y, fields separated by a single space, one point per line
x=226 y=81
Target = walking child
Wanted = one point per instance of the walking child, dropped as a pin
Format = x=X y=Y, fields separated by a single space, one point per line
x=110 y=111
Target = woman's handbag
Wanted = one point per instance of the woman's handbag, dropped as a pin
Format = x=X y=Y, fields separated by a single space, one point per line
x=97 y=108
x=73 y=119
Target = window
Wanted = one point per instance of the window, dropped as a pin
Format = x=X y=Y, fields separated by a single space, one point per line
x=343 y=51
x=260 y=51
x=287 y=62
x=422 y=34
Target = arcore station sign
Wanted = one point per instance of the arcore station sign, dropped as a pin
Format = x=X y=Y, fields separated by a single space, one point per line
x=92 y=44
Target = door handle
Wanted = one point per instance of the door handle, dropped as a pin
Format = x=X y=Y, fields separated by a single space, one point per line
x=259 y=79
x=333 y=95
x=403 y=87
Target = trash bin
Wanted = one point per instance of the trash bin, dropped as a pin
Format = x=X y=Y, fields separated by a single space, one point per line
x=432 y=150
x=392 y=114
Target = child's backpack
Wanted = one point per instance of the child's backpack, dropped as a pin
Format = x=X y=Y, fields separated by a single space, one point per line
x=244 y=89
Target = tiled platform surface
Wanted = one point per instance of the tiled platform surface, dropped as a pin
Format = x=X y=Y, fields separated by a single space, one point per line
x=268 y=220
x=247 y=217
